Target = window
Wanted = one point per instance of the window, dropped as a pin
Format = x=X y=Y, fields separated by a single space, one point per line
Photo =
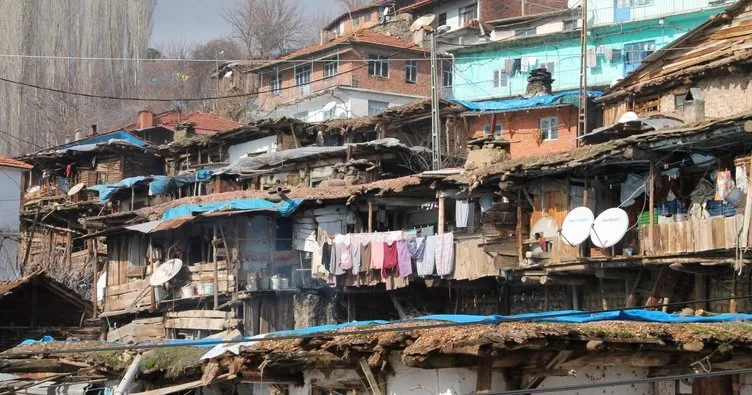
x=367 y=17
x=679 y=101
x=411 y=71
x=446 y=74
x=442 y=19
x=570 y=25
x=356 y=21
x=375 y=107
x=276 y=84
x=302 y=75
x=635 y=53
x=633 y=3
x=330 y=68
x=500 y=78
x=467 y=14
x=549 y=128
x=303 y=115
x=378 y=65
x=498 y=130
x=528 y=31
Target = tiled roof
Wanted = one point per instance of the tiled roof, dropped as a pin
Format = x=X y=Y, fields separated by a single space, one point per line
x=356 y=10
x=205 y=123
x=363 y=36
x=10 y=162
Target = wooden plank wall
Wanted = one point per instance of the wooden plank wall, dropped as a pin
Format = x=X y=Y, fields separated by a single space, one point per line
x=211 y=320
x=125 y=252
x=269 y=312
x=128 y=296
x=140 y=330
x=716 y=233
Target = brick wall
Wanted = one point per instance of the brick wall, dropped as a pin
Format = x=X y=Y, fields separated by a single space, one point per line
x=499 y=9
x=521 y=129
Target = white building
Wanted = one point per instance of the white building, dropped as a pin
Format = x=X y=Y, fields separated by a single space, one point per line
x=11 y=191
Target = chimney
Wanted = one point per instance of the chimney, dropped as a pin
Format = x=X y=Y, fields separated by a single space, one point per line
x=93 y=130
x=184 y=131
x=145 y=119
x=539 y=83
x=694 y=106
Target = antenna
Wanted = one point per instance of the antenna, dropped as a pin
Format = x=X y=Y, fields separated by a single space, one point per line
x=577 y=225
x=609 y=228
x=422 y=22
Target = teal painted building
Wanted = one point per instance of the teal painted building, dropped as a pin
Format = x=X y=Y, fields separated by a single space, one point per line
x=500 y=68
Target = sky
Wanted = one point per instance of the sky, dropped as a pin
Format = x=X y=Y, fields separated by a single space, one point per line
x=198 y=21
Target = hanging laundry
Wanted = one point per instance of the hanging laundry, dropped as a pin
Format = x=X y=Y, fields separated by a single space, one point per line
x=355 y=252
x=326 y=257
x=377 y=255
x=742 y=182
x=592 y=58
x=508 y=66
x=427 y=264
x=365 y=256
x=426 y=231
x=317 y=268
x=461 y=212
x=416 y=246
x=390 y=258
x=723 y=185
x=343 y=249
x=404 y=259
x=445 y=254
x=532 y=62
x=333 y=259
x=516 y=66
x=524 y=62
x=68 y=170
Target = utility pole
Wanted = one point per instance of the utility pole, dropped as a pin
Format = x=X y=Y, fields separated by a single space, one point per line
x=582 y=124
x=435 y=110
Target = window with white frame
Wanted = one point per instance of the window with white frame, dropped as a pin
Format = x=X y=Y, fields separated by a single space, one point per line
x=468 y=13
x=276 y=82
x=378 y=65
x=411 y=71
x=302 y=75
x=330 y=68
x=356 y=21
x=446 y=75
x=549 y=66
x=549 y=128
x=500 y=78
x=570 y=25
x=376 y=107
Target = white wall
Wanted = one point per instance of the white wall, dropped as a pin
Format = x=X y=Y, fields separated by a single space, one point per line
x=259 y=146
x=449 y=381
x=600 y=374
x=314 y=105
x=10 y=203
x=359 y=100
x=602 y=11
x=452 y=10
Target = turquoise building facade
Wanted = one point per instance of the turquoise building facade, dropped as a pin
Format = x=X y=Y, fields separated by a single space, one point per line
x=500 y=68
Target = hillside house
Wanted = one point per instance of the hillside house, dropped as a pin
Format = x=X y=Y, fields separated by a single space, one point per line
x=13 y=177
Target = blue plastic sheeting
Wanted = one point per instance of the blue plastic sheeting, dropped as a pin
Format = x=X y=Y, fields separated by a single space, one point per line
x=566 y=97
x=107 y=190
x=160 y=185
x=578 y=317
x=44 y=339
x=325 y=328
x=103 y=138
x=284 y=208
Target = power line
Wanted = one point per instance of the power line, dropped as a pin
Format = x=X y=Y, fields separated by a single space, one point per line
x=208 y=342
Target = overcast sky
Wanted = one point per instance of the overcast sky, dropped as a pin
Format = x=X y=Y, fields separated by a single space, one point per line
x=198 y=21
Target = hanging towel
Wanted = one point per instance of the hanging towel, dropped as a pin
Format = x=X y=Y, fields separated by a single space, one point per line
x=390 y=258
x=377 y=255
x=426 y=265
x=334 y=259
x=355 y=252
x=416 y=246
x=445 y=254
x=404 y=259
x=317 y=267
x=426 y=231
x=461 y=212
x=343 y=249
x=524 y=62
x=742 y=181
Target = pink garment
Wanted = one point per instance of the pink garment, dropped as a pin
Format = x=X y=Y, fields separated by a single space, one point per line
x=344 y=251
x=377 y=255
x=404 y=261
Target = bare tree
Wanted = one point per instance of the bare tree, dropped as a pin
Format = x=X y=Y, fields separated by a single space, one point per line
x=351 y=5
x=268 y=27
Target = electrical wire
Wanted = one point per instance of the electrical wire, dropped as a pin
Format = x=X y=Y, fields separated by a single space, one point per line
x=208 y=342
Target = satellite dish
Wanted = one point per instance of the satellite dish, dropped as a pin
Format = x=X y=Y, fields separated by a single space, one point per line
x=546 y=226
x=76 y=189
x=386 y=11
x=165 y=272
x=425 y=20
x=577 y=225
x=629 y=116
x=329 y=106
x=609 y=228
x=101 y=285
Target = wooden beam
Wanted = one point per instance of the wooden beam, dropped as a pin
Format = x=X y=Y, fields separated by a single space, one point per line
x=216 y=268
x=400 y=310
x=633 y=292
x=370 y=216
x=375 y=389
x=484 y=382
x=658 y=286
x=518 y=228
x=651 y=204
x=559 y=359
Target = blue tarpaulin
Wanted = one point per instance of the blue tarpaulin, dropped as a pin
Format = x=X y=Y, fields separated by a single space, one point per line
x=160 y=185
x=107 y=190
x=574 y=316
x=284 y=208
x=120 y=135
x=560 y=98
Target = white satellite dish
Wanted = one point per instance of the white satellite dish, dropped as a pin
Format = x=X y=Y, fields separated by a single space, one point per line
x=165 y=272
x=545 y=226
x=76 y=189
x=329 y=106
x=101 y=285
x=425 y=20
x=609 y=228
x=577 y=225
x=628 y=116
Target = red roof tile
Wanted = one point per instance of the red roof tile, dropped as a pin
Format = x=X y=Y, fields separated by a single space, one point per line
x=10 y=162
x=205 y=123
x=363 y=36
